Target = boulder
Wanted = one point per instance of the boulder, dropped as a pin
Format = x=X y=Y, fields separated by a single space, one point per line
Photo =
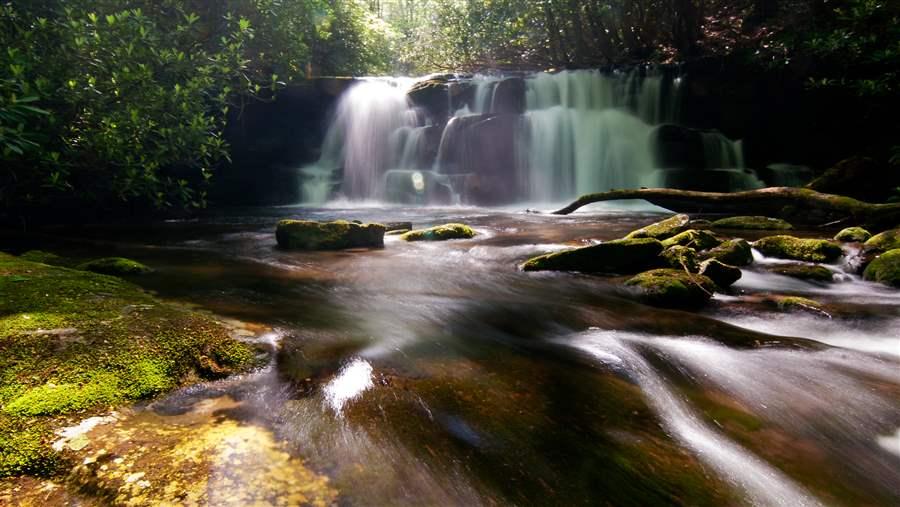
x=789 y=247
x=885 y=268
x=752 y=222
x=795 y=304
x=853 y=235
x=397 y=226
x=734 y=252
x=681 y=257
x=439 y=233
x=45 y=258
x=887 y=240
x=811 y=272
x=115 y=266
x=672 y=288
x=337 y=235
x=720 y=273
x=859 y=177
x=691 y=238
x=623 y=256
x=662 y=229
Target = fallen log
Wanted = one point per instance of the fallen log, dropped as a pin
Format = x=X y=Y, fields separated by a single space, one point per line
x=796 y=205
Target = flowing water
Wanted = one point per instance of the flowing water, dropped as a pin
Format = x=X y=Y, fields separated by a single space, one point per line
x=439 y=374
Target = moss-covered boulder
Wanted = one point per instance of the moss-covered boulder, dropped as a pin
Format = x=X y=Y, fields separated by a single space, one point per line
x=440 y=233
x=752 y=223
x=115 y=266
x=337 y=235
x=734 y=252
x=887 y=240
x=853 y=235
x=800 y=249
x=662 y=229
x=622 y=256
x=794 y=304
x=885 y=268
x=810 y=272
x=691 y=238
x=720 y=273
x=672 y=288
x=45 y=258
x=681 y=257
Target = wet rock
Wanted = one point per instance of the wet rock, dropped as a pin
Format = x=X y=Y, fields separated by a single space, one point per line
x=734 y=252
x=681 y=257
x=115 y=266
x=853 y=235
x=337 y=235
x=623 y=256
x=396 y=232
x=887 y=240
x=809 y=272
x=752 y=222
x=859 y=177
x=672 y=288
x=789 y=247
x=698 y=240
x=663 y=229
x=720 y=273
x=397 y=226
x=795 y=303
x=440 y=233
x=885 y=268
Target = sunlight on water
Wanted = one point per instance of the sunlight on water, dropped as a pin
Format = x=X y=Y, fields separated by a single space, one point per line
x=353 y=379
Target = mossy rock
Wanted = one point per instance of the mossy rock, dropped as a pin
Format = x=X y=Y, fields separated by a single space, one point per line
x=720 y=273
x=45 y=258
x=795 y=303
x=809 y=272
x=853 y=235
x=622 y=256
x=885 y=268
x=789 y=247
x=691 y=238
x=440 y=233
x=398 y=232
x=672 y=288
x=681 y=257
x=397 y=226
x=887 y=240
x=662 y=229
x=753 y=223
x=336 y=235
x=734 y=252
x=115 y=266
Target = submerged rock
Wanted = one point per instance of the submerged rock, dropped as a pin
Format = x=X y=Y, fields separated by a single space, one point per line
x=887 y=240
x=662 y=229
x=885 y=268
x=337 y=235
x=789 y=247
x=752 y=222
x=681 y=257
x=810 y=272
x=691 y=238
x=115 y=266
x=720 y=273
x=623 y=256
x=440 y=233
x=672 y=288
x=853 y=235
x=735 y=252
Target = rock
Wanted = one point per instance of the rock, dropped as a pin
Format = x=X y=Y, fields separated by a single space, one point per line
x=662 y=229
x=115 y=266
x=853 y=235
x=887 y=240
x=337 y=235
x=45 y=258
x=698 y=240
x=859 y=177
x=681 y=257
x=720 y=273
x=795 y=303
x=398 y=232
x=810 y=272
x=397 y=226
x=752 y=222
x=789 y=247
x=624 y=256
x=672 y=288
x=885 y=268
x=734 y=252
x=440 y=233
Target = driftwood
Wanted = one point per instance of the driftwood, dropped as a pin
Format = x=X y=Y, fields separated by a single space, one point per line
x=797 y=205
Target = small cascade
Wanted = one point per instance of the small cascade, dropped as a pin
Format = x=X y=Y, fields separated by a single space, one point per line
x=720 y=152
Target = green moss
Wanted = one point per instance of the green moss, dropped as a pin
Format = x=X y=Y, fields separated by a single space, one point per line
x=752 y=222
x=698 y=240
x=813 y=273
x=25 y=449
x=52 y=399
x=853 y=235
x=662 y=229
x=789 y=247
x=45 y=258
x=734 y=252
x=115 y=266
x=440 y=233
x=336 y=235
x=681 y=257
x=887 y=240
x=795 y=303
x=618 y=256
x=672 y=288
x=885 y=268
